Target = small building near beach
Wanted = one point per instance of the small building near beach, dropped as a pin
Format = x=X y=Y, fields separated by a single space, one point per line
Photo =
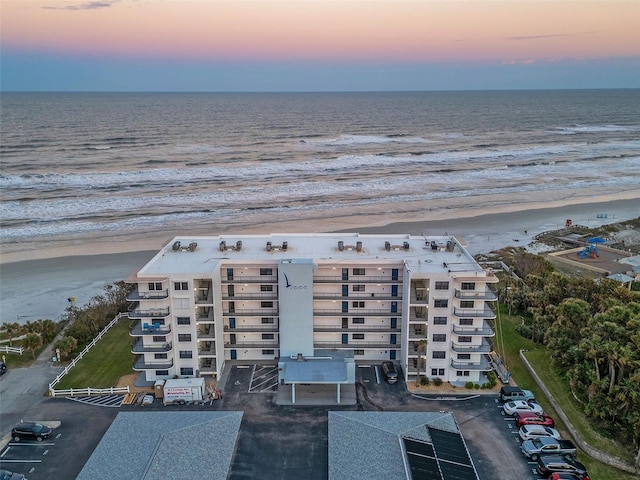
x=422 y=302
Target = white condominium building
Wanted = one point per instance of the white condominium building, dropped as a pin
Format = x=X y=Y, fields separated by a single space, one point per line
x=420 y=301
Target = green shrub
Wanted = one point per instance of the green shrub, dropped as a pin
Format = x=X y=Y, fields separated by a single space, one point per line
x=424 y=381
x=468 y=385
x=437 y=381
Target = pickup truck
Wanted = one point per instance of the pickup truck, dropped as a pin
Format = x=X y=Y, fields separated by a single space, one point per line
x=508 y=393
x=538 y=447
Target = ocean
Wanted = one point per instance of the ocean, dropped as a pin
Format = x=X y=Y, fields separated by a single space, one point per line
x=94 y=165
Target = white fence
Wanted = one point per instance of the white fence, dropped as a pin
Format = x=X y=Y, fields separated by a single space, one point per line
x=87 y=391
x=6 y=349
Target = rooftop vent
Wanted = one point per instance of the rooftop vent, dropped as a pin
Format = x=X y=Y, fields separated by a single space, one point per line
x=275 y=248
x=176 y=246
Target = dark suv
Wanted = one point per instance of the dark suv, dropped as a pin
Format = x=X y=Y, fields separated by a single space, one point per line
x=390 y=372
x=549 y=464
x=30 y=430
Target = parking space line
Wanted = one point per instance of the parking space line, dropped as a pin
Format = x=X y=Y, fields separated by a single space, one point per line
x=39 y=444
x=4 y=452
x=21 y=461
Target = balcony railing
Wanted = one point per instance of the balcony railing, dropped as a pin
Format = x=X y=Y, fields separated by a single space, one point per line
x=251 y=296
x=138 y=347
x=484 y=365
x=270 y=327
x=151 y=313
x=204 y=299
x=136 y=295
x=470 y=313
x=357 y=279
x=487 y=295
x=140 y=329
x=357 y=345
x=258 y=312
x=207 y=332
x=209 y=351
x=359 y=312
x=356 y=328
x=251 y=279
x=139 y=364
x=483 y=332
x=271 y=344
x=485 y=347
x=207 y=366
x=356 y=296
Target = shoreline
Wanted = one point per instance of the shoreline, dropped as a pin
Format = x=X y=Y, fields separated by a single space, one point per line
x=472 y=226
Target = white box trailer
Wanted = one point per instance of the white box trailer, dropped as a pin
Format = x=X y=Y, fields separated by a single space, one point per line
x=183 y=390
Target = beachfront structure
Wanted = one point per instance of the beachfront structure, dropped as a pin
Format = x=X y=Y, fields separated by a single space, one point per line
x=420 y=301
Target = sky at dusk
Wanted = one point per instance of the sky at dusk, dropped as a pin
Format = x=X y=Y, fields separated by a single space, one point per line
x=317 y=45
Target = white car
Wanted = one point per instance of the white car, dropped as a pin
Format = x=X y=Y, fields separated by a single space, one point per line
x=514 y=406
x=529 y=432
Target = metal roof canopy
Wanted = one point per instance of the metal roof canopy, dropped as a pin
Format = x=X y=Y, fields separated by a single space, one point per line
x=316 y=371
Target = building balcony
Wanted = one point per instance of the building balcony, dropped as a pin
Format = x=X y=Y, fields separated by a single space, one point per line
x=484 y=365
x=486 y=331
x=208 y=349
x=206 y=332
x=258 y=312
x=357 y=345
x=151 y=313
x=271 y=344
x=418 y=318
x=136 y=295
x=140 y=364
x=356 y=296
x=417 y=333
x=138 y=347
x=251 y=296
x=360 y=312
x=204 y=299
x=207 y=366
x=140 y=329
x=239 y=279
x=269 y=327
x=470 y=313
x=485 y=347
x=487 y=295
x=205 y=319
x=356 y=328
x=337 y=279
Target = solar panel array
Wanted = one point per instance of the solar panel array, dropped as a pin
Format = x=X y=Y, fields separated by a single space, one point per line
x=444 y=458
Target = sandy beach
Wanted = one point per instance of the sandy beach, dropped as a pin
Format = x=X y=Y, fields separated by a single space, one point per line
x=37 y=283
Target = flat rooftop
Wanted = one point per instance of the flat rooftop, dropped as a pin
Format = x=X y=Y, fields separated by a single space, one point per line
x=203 y=255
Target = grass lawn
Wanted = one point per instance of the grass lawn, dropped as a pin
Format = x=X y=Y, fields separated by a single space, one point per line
x=539 y=359
x=105 y=363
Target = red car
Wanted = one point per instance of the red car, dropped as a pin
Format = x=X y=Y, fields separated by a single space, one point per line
x=530 y=418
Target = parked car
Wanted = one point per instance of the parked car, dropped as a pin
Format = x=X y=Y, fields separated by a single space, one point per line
x=531 y=418
x=3 y=368
x=515 y=406
x=529 y=432
x=537 y=447
x=30 y=430
x=549 y=464
x=508 y=393
x=390 y=372
x=564 y=476
x=7 y=475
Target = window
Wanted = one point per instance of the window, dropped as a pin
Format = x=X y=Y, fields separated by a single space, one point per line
x=266 y=304
x=468 y=286
x=441 y=303
x=266 y=288
x=186 y=371
x=359 y=271
x=184 y=320
x=358 y=336
x=266 y=271
x=442 y=286
x=160 y=356
x=159 y=321
x=439 y=320
x=357 y=304
x=267 y=319
x=466 y=303
x=462 y=373
x=439 y=337
x=358 y=288
x=464 y=339
x=184 y=337
x=441 y=371
x=439 y=354
x=159 y=338
x=186 y=354
x=358 y=352
x=268 y=352
x=464 y=356
x=155 y=285
x=181 y=285
x=357 y=320
x=267 y=336
x=162 y=373
x=466 y=321
x=434 y=371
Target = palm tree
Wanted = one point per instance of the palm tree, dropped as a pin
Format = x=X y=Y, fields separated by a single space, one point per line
x=12 y=328
x=32 y=342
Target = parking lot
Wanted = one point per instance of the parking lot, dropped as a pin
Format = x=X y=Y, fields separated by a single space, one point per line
x=274 y=441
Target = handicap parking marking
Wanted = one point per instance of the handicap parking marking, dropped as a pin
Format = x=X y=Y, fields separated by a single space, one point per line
x=264 y=379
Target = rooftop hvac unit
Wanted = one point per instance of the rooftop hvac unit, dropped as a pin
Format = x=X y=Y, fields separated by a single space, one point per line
x=269 y=246
x=341 y=245
x=358 y=246
x=192 y=246
x=176 y=246
x=451 y=245
x=223 y=246
x=239 y=245
x=285 y=245
x=406 y=245
x=387 y=246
